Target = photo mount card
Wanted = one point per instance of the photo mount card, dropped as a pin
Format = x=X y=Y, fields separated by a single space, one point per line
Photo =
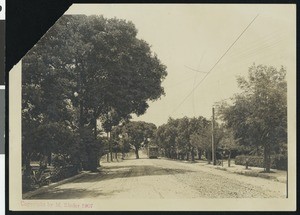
x=197 y=59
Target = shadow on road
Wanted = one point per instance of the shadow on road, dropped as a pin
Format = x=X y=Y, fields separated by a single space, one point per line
x=87 y=186
x=112 y=172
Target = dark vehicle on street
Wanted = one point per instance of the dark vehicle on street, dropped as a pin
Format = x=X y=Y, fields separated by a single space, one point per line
x=152 y=151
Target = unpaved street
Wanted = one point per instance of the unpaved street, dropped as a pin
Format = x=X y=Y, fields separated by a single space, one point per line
x=161 y=178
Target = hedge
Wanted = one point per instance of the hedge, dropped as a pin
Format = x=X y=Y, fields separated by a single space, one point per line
x=277 y=162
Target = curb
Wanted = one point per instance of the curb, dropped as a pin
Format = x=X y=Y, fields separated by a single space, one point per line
x=47 y=187
x=241 y=172
x=260 y=175
x=253 y=174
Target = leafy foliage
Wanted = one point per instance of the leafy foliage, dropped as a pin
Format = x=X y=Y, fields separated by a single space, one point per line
x=180 y=138
x=138 y=134
x=85 y=68
x=258 y=116
x=277 y=161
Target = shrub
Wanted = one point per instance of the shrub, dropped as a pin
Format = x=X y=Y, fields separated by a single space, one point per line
x=277 y=162
x=256 y=161
x=63 y=173
x=35 y=179
x=59 y=161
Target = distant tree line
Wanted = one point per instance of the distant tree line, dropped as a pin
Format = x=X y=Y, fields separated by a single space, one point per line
x=186 y=138
x=133 y=134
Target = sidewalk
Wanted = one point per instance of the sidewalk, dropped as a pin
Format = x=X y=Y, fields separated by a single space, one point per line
x=276 y=175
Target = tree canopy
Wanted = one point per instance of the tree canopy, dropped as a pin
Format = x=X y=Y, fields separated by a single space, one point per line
x=180 y=138
x=138 y=134
x=85 y=68
x=258 y=116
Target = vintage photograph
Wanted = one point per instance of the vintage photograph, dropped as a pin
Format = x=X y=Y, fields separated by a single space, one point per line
x=159 y=101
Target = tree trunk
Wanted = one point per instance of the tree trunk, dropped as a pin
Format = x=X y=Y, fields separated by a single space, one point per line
x=229 y=157
x=137 y=153
x=95 y=136
x=111 y=156
x=98 y=162
x=199 y=154
x=49 y=158
x=187 y=156
x=208 y=156
x=95 y=128
x=43 y=161
x=110 y=148
x=81 y=123
x=267 y=160
x=193 y=154
x=92 y=162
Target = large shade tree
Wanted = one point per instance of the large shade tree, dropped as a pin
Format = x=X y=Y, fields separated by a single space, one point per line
x=258 y=116
x=85 y=68
x=138 y=134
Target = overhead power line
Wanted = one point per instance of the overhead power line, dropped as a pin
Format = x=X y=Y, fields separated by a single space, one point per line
x=196 y=74
x=216 y=63
x=195 y=70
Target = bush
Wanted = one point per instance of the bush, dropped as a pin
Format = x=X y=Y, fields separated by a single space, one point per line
x=35 y=179
x=277 y=162
x=63 y=173
x=256 y=161
x=59 y=161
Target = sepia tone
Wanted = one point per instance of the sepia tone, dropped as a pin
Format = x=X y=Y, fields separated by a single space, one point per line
x=114 y=107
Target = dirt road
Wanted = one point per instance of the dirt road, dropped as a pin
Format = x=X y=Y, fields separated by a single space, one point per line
x=161 y=178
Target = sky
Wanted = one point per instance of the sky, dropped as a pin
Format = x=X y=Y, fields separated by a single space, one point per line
x=189 y=37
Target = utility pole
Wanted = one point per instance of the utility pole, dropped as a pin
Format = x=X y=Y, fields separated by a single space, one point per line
x=108 y=141
x=213 y=148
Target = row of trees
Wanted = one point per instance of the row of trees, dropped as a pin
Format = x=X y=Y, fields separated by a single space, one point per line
x=258 y=115
x=184 y=138
x=255 y=123
x=85 y=69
